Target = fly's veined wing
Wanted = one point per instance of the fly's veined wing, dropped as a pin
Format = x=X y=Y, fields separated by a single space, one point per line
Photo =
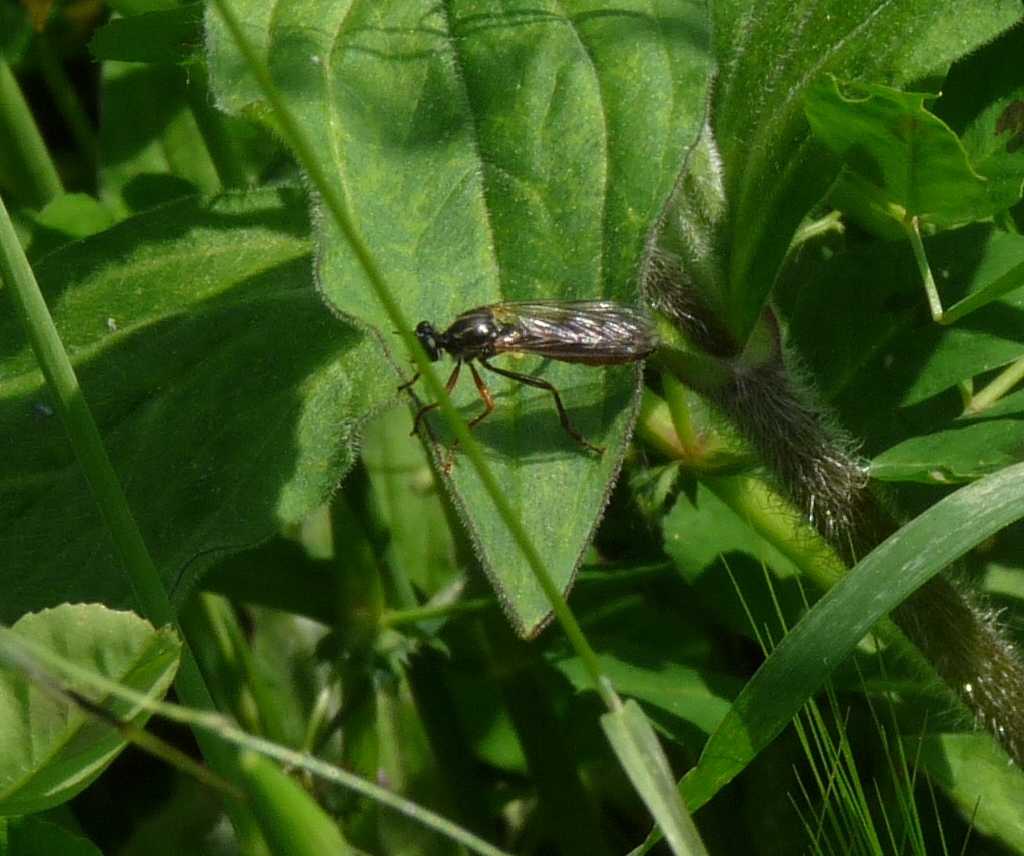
x=599 y=332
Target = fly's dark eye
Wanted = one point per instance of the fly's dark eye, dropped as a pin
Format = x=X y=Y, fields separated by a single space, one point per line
x=427 y=335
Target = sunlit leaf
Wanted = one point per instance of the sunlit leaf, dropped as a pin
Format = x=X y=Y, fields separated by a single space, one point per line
x=50 y=749
x=487 y=154
x=908 y=156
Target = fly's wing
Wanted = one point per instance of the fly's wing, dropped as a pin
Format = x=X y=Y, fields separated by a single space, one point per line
x=598 y=332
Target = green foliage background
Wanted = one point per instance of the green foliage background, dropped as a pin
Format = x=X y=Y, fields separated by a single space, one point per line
x=341 y=592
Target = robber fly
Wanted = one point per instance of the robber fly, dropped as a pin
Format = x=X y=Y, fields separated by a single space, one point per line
x=594 y=332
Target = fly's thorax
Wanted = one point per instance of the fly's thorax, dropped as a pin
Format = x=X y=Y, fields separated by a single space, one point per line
x=472 y=335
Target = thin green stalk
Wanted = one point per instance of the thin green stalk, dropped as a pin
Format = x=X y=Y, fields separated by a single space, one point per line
x=87 y=444
x=912 y=227
x=335 y=203
x=1000 y=385
x=432 y=612
x=82 y=430
x=67 y=101
x=28 y=156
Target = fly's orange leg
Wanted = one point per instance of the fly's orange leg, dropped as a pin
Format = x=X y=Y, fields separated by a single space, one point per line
x=538 y=383
x=453 y=378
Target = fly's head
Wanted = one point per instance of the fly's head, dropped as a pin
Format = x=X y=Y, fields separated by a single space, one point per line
x=430 y=339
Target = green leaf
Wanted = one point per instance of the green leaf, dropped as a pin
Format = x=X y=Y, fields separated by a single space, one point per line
x=50 y=749
x=291 y=820
x=164 y=36
x=151 y=149
x=980 y=101
x=30 y=836
x=764 y=170
x=972 y=770
x=881 y=379
x=993 y=289
x=67 y=218
x=687 y=679
x=725 y=561
x=485 y=162
x=910 y=157
x=226 y=394
x=796 y=668
x=970 y=448
x=637 y=748
x=696 y=696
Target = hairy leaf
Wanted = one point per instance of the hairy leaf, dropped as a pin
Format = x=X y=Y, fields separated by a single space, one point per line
x=227 y=396
x=490 y=153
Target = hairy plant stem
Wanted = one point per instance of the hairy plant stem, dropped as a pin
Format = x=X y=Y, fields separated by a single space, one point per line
x=813 y=464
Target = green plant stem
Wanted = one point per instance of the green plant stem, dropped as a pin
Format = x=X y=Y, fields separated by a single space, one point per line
x=336 y=205
x=88 y=447
x=831 y=222
x=1006 y=380
x=28 y=156
x=912 y=228
x=212 y=124
x=654 y=425
x=67 y=101
x=772 y=517
x=432 y=612
x=778 y=522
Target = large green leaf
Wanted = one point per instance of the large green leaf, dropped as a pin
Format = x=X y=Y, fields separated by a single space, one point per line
x=227 y=396
x=907 y=156
x=49 y=748
x=878 y=584
x=763 y=171
x=488 y=154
